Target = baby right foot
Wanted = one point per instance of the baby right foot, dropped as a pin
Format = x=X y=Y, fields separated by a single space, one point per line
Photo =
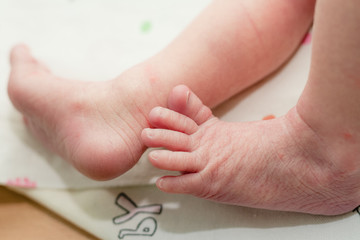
x=273 y=164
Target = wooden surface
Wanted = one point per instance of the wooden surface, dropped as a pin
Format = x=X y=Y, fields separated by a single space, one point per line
x=21 y=218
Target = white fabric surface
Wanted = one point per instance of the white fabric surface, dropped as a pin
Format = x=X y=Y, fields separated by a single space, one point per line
x=96 y=40
x=186 y=217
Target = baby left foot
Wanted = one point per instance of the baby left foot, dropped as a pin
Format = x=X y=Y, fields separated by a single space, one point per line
x=273 y=164
x=96 y=126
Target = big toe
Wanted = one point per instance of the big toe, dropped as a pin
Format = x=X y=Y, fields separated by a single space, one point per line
x=184 y=101
x=19 y=54
x=28 y=80
x=23 y=62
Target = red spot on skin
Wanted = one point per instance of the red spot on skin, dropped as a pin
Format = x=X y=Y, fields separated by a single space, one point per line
x=150 y=73
x=354 y=78
x=152 y=80
x=307 y=39
x=348 y=137
x=26 y=121
x=268 y=117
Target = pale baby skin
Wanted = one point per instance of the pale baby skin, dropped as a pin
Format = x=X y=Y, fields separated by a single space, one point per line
x=274 y=164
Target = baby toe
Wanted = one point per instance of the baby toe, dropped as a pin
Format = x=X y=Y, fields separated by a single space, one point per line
x=175 y=161
x=169 y=139
x=190 y=183
x=165 y=118
x=184 y=101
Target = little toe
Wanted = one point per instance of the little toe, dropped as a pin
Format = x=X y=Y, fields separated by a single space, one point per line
x=184 y=101
x=175 y=161
x=169 y=139
x=32 y=88
x=164 y=118
x=190 y=183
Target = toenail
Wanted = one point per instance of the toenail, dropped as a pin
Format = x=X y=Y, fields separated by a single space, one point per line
x=149 y=133
x=187 y=96
x=160 y=183
x=157 y=109
x=154 y=155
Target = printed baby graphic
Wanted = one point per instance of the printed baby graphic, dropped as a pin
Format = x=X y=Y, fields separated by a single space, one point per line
x=146 y=227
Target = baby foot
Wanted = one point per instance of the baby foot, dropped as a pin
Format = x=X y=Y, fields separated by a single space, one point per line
x=273 y=164
x=96 y=126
